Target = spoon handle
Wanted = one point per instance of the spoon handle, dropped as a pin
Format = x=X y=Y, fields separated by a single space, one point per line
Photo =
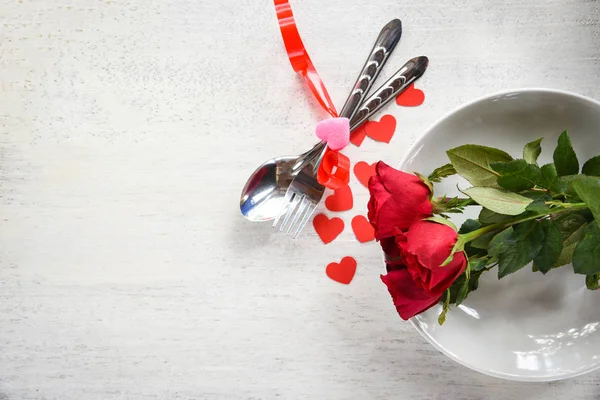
x=406 y=75
x=388 y=38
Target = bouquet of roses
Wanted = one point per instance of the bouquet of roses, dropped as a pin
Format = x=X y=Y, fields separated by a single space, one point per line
x=545 y=215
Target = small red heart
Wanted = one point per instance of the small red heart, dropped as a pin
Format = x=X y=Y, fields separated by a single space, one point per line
x=327 y=229
x=364 y=171
x=357 y=137
x=363 y=230
x=382 y=130
x=340 y=200
x=342 y=272
x=411 y=97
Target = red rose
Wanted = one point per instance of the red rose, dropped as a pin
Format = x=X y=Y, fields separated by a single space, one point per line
x=423 y=281
x=397 y=200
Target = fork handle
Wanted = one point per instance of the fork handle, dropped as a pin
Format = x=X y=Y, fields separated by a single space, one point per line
x=398 y=83
x=388 y=38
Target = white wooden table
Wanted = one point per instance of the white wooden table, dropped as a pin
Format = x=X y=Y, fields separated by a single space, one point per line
x=127 y=130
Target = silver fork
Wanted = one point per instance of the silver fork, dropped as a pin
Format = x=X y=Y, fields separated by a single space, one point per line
x=305 y=192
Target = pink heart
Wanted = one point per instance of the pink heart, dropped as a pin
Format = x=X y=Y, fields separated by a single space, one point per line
x=335 y=132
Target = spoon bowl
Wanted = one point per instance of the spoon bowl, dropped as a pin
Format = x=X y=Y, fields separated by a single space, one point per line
x=263 y=196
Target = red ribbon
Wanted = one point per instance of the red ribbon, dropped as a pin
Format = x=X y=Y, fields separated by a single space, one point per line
x=334 y=171
x=298 y=55
x=334 y=175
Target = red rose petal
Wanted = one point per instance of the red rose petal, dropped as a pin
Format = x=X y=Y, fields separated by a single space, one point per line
x=397 y=200
x=430 y=242
x=408 y=298
x=426 y=247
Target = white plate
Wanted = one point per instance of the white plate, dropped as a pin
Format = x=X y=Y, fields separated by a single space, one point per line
x=528 y=326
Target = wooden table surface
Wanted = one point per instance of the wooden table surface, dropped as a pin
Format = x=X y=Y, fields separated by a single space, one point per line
x=127 y=130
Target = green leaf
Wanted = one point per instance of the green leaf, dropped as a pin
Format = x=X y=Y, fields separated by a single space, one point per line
x=592 y=167
x=462 y=292
x=586 y=258
x=463 y=286
x=442 y=221
x=471 y=251
x=592 y=281
x=532 y=151
x=500 y=201
x=588 y=190
x=498 y=242
x=520 y=248
x=551 y=248
x=566 y=255
x=474 y=281
x=483 y=241
x=445 y=308
x=567 y=224
x=469 y=225
x=472 y=162
x=517 y=175
x=537 y=195
x=478 y=264
x=570 y=241
x=442 y=172
x=425 y=181
x=538 y=206
x=549 y=177
x=565 y=186
x=487 y=217
x=565 y=158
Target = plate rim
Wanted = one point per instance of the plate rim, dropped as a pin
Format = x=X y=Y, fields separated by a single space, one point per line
x=413 y=150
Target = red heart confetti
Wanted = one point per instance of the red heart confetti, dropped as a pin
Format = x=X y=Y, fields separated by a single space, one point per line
x=382 y=130
x=357 y=137
x=327 y=229
x=342 y=272
x=363 y=230
x=340 y=200
x=364 y=171
x=411 y=97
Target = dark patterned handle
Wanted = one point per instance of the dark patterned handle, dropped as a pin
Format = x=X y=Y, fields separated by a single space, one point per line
x=386 y=41
x=410 y=72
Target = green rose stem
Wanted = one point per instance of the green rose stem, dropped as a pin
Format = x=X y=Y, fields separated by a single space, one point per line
x=563 y=207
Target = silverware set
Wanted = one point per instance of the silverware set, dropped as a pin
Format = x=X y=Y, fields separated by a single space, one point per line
x=285 y=189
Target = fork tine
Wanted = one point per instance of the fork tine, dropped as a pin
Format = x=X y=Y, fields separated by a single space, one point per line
x=298 y=214
x=294 y=201
x=286 y=202
x=309 y=212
